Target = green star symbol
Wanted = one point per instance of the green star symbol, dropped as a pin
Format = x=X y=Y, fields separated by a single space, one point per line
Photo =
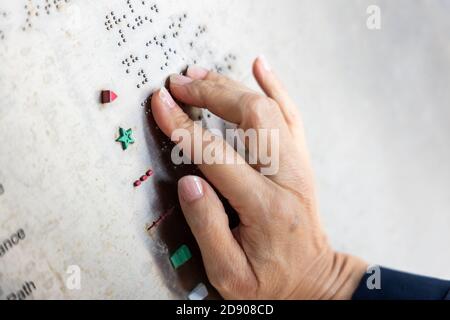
x=125 y=138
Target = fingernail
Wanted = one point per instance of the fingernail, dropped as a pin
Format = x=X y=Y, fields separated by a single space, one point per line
x=179 y=80
x=166 y=98
x=196 y=72
x=265 y=63
x=190 y=188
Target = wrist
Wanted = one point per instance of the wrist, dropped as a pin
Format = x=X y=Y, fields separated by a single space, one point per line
x=333 y=276
x=345 y=275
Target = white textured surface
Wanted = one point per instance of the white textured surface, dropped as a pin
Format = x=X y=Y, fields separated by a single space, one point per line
x=375 y=106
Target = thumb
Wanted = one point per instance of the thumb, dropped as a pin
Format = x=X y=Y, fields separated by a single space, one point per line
x=225 y=262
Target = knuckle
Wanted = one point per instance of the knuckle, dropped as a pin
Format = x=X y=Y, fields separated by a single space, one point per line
x=194 y=88
x=254 y=102
x=216 y=77
x=258 y=108
x=213 y=76
x=208 y=225
x=182 y=121
x=284 y=211
x=202 y=89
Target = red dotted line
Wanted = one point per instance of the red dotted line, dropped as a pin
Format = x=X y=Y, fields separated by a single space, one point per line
x=160 y=219
x=147 y=175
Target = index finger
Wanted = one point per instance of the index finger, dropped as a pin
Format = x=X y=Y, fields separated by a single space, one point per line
x=236 y=180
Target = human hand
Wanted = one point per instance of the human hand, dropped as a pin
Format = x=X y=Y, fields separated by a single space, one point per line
x=279 y=250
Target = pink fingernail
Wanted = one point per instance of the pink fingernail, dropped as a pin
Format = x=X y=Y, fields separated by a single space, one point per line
x=166 y=98
x=179 y=80
x=191 y=188
x=265 y=63
x=197 y=72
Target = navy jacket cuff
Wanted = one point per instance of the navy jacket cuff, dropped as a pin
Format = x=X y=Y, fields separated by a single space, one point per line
x=397 y=285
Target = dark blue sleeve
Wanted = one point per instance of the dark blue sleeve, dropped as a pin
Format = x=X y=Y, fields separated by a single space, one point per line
x=396 y=285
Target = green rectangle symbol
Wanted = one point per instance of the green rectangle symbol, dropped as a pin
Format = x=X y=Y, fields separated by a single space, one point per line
x=180 y=256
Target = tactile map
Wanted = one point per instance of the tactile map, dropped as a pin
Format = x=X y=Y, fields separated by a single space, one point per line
x=88 y=193
x=88 y=201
